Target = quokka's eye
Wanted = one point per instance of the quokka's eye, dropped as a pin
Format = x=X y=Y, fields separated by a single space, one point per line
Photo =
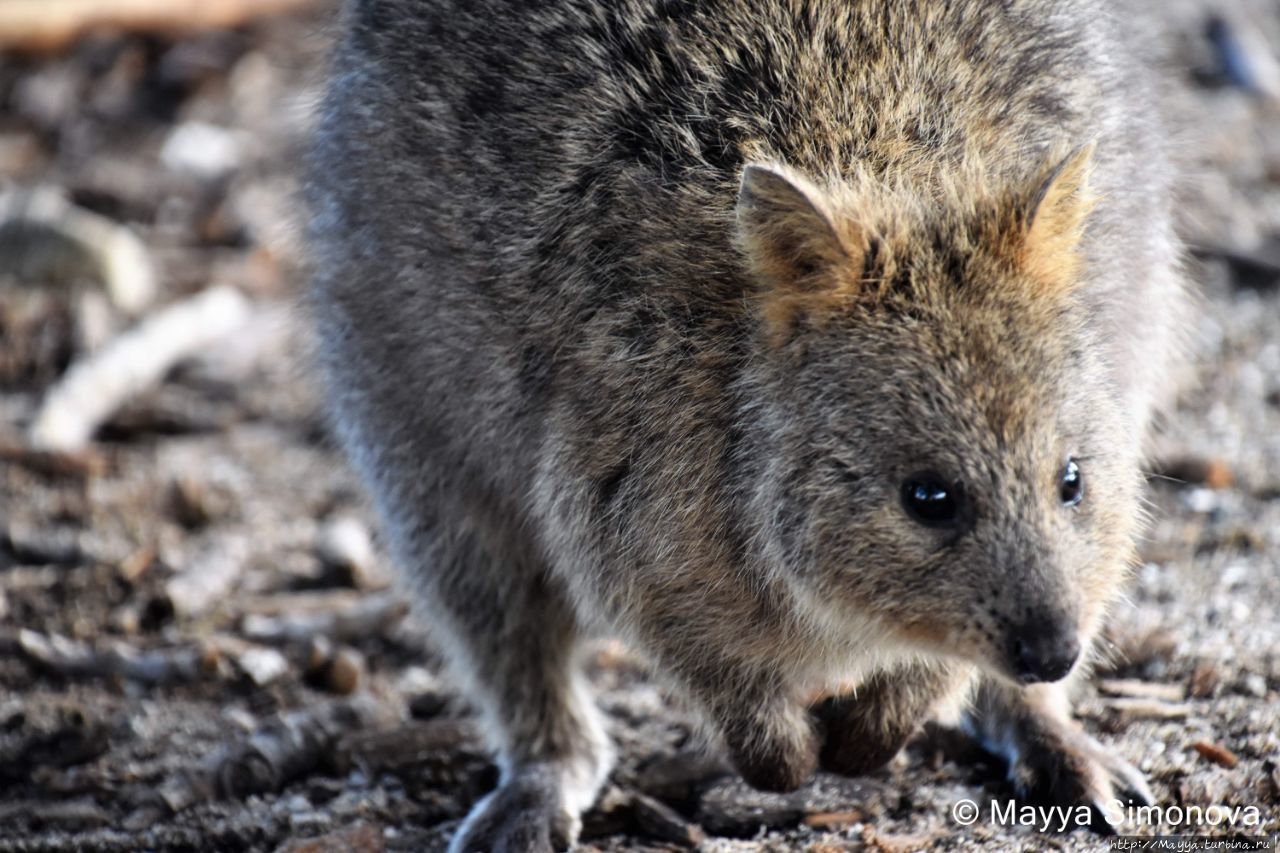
x=1071 y=484
x=930 y=500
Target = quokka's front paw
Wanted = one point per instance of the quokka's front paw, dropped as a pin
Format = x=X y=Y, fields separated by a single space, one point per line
x=777 y=751
x=1064 y=766
x=524 y=815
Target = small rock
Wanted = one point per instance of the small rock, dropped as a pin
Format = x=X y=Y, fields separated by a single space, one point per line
x=262 y=665
x=1201 y=500
x=344 y=545
x=346 y=671
x=1254 y=685
x=202 y=150
x=338 y=671
x=297 y=803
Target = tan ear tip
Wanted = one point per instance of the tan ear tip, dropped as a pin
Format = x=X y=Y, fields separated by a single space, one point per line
x=759 y=179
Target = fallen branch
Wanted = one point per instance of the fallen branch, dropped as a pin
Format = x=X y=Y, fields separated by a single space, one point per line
x=74 y=659
x=442 y=744
x=94 y=388
x=51 y=24
x=292 y=746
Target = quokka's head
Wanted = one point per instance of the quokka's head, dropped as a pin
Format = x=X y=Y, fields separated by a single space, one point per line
x=948 y=461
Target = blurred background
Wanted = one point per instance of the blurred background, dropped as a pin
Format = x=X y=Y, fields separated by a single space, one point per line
x=200 y=644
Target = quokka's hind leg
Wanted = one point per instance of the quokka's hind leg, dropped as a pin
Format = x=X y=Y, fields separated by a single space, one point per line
x=510 y=636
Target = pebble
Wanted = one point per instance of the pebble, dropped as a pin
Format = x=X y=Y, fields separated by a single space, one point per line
x=202 y=150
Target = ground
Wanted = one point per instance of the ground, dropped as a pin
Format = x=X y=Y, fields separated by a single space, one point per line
x=198 y=645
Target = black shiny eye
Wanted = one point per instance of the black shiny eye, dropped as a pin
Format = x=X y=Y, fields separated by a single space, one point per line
x=1071 y=486
x=930 y=500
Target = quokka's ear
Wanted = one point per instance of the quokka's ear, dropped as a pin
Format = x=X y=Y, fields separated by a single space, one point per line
x=1055 y=221
x=793 y=243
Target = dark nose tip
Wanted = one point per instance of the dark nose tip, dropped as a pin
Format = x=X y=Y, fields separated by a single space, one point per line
x=1044 y=651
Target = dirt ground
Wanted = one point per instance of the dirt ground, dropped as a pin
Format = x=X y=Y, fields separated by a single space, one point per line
x=199 y=648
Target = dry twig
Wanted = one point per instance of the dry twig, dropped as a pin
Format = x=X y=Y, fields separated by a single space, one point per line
x=74 y=659
x=41 y=231
x=94 y=388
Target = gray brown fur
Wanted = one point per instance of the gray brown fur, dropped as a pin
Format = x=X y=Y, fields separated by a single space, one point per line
x=599 y=377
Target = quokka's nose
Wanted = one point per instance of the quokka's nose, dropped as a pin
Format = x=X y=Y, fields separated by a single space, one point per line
x=1044 y=649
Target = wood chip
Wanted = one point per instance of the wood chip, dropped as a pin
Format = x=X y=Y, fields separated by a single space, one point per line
x=1216 y=753
x=205 y=580
x=834 y=820
x=371 y=615
x=134 y=566
x=41 y=25
x=82 y=464
x=1136 y=688
x=357 y=838
x=898 y=843
x=1141 y=707
x=1204 y=681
